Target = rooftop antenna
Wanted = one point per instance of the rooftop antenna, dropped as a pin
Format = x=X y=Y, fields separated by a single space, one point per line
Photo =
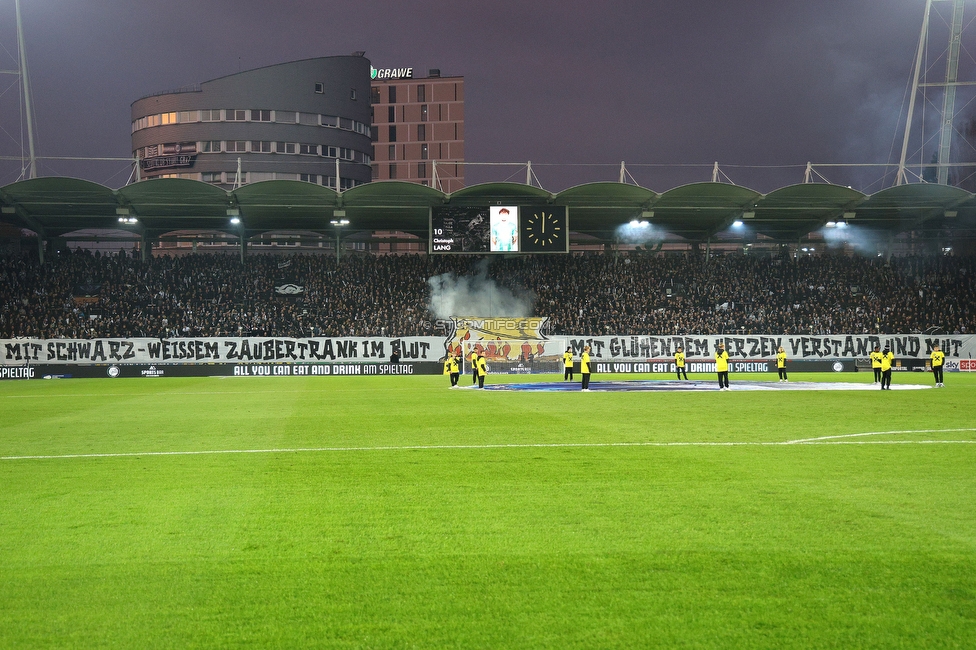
x=949 y=91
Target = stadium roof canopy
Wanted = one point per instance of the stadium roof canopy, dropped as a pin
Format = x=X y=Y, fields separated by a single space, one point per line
x=54 y=207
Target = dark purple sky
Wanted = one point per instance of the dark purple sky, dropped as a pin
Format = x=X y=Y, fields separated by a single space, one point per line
x=569 y=82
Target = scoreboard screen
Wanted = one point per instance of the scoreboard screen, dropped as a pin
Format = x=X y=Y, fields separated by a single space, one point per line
x=499 y=229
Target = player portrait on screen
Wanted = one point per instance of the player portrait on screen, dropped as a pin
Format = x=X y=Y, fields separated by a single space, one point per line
x=504 y=229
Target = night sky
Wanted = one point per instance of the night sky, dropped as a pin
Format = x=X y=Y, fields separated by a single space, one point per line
x=760 y=83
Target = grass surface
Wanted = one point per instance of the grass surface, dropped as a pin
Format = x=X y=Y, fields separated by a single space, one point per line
x=457 y=544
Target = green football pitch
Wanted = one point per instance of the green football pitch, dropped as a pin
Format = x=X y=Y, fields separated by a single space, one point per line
x=392 y=512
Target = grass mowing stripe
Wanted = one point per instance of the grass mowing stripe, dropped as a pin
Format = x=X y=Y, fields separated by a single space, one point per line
x=527 y=445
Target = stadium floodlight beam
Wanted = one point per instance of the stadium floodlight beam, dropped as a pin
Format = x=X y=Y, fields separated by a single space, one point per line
x=338 y=224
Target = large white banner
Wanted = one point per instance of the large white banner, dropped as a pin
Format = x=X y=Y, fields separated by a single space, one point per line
x=764 y=346
x=220 y=350
x=18 y=352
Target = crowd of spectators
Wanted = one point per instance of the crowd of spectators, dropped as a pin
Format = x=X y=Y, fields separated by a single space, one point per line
x=593 y=294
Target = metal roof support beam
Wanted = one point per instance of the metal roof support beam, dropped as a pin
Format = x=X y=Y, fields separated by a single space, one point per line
x=949 y=96
x=25 y=82
x=902 y=179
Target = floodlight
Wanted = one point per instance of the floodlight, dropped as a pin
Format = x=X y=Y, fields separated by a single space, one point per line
x=736 y=224
x=235 y=220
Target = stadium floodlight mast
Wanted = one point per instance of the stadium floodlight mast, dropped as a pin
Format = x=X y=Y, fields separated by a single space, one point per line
x=338 y=224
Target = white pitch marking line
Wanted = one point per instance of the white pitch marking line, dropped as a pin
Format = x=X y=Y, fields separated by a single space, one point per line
x=824 y=440
x=874 y=433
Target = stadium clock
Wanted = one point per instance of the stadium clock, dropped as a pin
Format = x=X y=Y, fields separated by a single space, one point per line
x=544 y=229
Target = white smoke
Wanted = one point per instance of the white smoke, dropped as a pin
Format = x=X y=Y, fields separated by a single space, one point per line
x=862 y=240
x=476 y=295
x=639 y=232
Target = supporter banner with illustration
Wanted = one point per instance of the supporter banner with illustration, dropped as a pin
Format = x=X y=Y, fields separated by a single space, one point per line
x=511 y=344
x=19 y=352
x=838 y=346
x=503 y=339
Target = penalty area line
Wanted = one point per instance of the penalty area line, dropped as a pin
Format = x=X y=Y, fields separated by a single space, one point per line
x=824 y=440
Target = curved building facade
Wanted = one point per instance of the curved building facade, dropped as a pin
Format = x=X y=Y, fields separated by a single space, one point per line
x=298 y=121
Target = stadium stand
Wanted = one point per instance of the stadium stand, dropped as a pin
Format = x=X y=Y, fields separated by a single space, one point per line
x=81 y=295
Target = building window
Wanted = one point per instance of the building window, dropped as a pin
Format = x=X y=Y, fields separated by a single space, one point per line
x=262 y=146
x=421 y=132
x=207 y=115
x=392 y=93
x=236 y=116
x=423 y=113
x=392 y=133
x=423 y=151
x=308 y=178
x=421 y=93
x=392 y=152
x=211 y=146
x=260 y=116
x=421 y=170
x=391 y=114
x=212 y=177
x=374 y=95
x=329 y=120
x=285 y=147
x=345 y=123
x=345 y=153
x=329 y=152
x=168 y=118
x=185 y=116
x=236 y=145
x=319 y=88
x=393 y=170
x=352 y=94
x=308 y=149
